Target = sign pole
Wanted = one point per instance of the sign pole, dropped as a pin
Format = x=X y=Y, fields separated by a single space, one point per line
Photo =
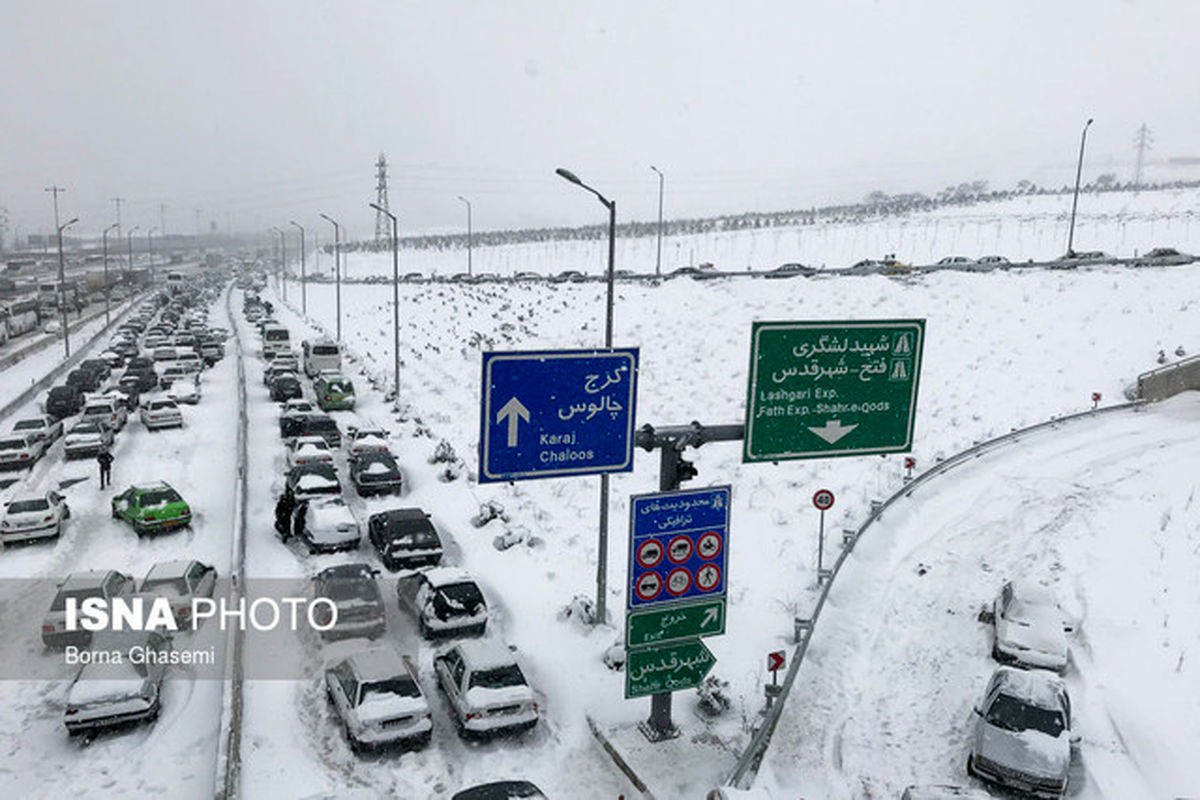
x=659 y=726
x=821 y=545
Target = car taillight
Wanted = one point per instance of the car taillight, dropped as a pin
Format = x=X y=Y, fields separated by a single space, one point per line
x=150 y=516
x=47 y=519
x=71 y=711
x=24 y=456
x=47 y=629
x=327 y=397
x=473 y=716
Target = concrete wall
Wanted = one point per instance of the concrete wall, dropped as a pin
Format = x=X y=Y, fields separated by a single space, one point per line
x=1164 y=382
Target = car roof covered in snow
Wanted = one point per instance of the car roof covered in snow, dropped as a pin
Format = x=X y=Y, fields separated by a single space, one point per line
x=447 y=576
x=1037 y=687
x=485 y=653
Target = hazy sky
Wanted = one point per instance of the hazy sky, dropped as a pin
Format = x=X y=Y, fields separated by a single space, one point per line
x=257 y=112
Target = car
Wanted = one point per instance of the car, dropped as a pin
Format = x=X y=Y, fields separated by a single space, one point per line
x=404 y=538
x=186 y=390
x=98 y=366
x=375 y=473
x=173 y=371
x=139 y=363
x=1029 y=627
x=486 y=688
x=53 y=327
x=1022 y=738
x=87 y=438
x=865 y=266
x=445 y=601
x=286 y=386
x=288 y=360
x=212 y=352
x=161 y=412
x=106 y=410
x=308 y=450
x=955 y=262
x=526 y=275
x=113 y=359
x=1163 y=257
x=792 y=270
x=152 y=508
x=79 y=586
x=142 y=379
x=127 y=397
x=334 y=392
x=366 y=440
x=45 y=428
x=354 y=592
x=376 y=695
x=297 y=406
x=326 y=524
x=1072 y=259
x=312 y=424
x=273 y=371
x=113 y=692
x=84 y=380
x=20 y=450
x=180 y=582
x=993 y=261
x=33 y=517
x=63 y=401
x=312 y=480
x=572 y=275
x=501 y=790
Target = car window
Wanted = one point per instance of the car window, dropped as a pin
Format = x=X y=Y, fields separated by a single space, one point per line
x=113 y=584
x=349 y=685
x=457 y=668
x=402 y=686
x=1011 y=714
x=159 y=497
x=21 y=506
x=29 y=425
x=499 y=677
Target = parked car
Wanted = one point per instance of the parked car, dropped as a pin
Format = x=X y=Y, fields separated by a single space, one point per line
x=113 y=359
x=161 y=412
x=315 y=424
x=186 y=390
x=286 y=387
x=106 y=584
x=1163 y=257
x=366 y=440
x=1022 y=738
x=955 y=262
x=355 y=593
x=63 y=401
x=297 y=406
x=501 y=790
x=1072 y=259
x=45 y=428
x=486 y=688
x=87 y=438
x=375 y=473
x=404 y=537
x=326 y=524
x=212 y=352
x=994 y=261
x=33 y=517
x=305 y=481
x=792 y=270
x=140 y=381
x=308 y=450
x=377 y=697
x=114 y=692
x=84 y=380
x=180 y=582
x=19 y=450
x=445 y=601
x=105 y=410
x=1030 y=628
x=334 y=392
x=152 y=508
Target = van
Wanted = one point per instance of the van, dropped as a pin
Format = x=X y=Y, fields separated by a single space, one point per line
x=276 y=340
x=321 y=354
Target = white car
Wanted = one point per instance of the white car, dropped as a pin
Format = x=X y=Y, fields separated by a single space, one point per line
x=33 y=517
x=161 y=412
x=286 y=361
x=108 y=693
x=308 y=450
x=180 y=582
x=86 y=438
x=53 y=327
x=20 y=450
x=326 y=524
x=106 y=584
x=186 y=390
x=366 y=440
x=1030 y=628
x=47 y=429
x=378 y=698
x=106 y=410
x=486 y=688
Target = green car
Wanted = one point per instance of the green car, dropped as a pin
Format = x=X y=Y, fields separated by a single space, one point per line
x=151 y=508
x=334 y=392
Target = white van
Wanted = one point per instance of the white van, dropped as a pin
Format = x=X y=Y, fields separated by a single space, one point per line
x=321 y=354
x=275 y=339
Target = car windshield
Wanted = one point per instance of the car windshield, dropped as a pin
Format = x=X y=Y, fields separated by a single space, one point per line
x=345 y=589
x=29 y=425
x=324 y=350
x=60 y=600
x=498 y=677
x=338 y=386
x=86 y=427
x=159 y=497
x=174 y=585
x=158 y=405
x=401 y=686
x=22 y=506
x=1010 y=714
x=458 y=598
x=12 y=444
x=1025 y=612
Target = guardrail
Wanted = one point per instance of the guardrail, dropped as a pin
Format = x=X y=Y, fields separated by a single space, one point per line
x=1167 y=381
x=742 y=775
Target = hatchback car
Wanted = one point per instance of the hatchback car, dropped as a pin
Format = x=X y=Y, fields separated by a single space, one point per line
x=445 y=601
x=180 y=582
x=186 y=390
x=486 y=688
x=152 y=508
x=63 y=401
x=308 y=450
x=118 y=691
x=354 y=592
x=87 y=438
x=366 y=440
x=375 y=473
x=19 y=450
x=326 y=524
x=161 y=412
x=1022 y=738
x=313 y=480
x=404 y=538
x=105 y=410
x=377 y=697
x=286 y=387
x=46 y=429
x=84 y=381
x=33 y=517
x=334 y=392
x=1030 y=628
x=79 y=586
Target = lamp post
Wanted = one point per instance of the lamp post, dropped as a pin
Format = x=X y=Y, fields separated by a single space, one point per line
x=658 y=257
x=602 y=556
x=303 y=270
x=468 y=202
x=275 y=250
x=283 y=261
x=337 y=266
x=104 y=239
x=395 y=302
x=150 y=252
x=62 y=288
x=1075 y=200
x=129 y=241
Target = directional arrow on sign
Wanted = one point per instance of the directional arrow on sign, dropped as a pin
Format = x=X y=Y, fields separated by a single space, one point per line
x=675 y=622
x=515 y=411
x=666 y=668
x=831 y=431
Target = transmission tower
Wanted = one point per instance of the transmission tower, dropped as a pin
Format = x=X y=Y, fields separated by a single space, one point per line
x=382 y=232
x=3 y=226
x=1143 y=142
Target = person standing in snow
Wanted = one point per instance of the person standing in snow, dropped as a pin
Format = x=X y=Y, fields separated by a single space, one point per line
x=104 y=459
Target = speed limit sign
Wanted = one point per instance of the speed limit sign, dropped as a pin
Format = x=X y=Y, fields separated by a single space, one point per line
x=823 y=499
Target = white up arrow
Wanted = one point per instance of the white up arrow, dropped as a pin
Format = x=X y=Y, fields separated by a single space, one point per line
x=831 y=431
x=514 y=410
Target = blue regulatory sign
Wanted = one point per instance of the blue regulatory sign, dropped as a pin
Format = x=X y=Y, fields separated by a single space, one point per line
x=678 y=546
x=557 y=412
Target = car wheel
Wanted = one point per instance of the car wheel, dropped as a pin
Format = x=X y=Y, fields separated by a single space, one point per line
x=58 y=530
x=115 y=515
x=422 y=741
x=356 y=746
x=66 y=511
x=971 y=766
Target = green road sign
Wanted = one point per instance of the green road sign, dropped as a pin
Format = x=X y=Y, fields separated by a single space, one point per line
x=821 y=389
x=671 y=623
x=666 y=667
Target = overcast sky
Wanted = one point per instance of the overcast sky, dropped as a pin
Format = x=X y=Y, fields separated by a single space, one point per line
x=260 y=112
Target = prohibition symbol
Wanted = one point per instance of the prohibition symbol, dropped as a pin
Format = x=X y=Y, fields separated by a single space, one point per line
x=650 y=553
x=648 y=586
x=679 y=580
x=709 y=545
x=823 y=499
x=708 y=577
x=680 y=549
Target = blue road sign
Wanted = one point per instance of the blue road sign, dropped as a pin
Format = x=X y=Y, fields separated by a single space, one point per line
x=678 y=546
x=557 y=412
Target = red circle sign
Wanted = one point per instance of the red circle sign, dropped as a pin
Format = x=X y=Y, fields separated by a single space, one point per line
x=648 y=586
x=650 y=553
x=823 y=499
x=680 y=549
x=707 y=577
x=678 y=581
x=709 y=545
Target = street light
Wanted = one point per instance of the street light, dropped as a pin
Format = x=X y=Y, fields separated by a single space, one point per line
x=62 y=288
x=1075 y=201
x=468 y=202
x=150 y=252
x=129 y=241
x=658 y=258
x=337 y=266
x=395 y=302
x=602 y=556
x=282 y=260
x=104 y=239
x=303 y=271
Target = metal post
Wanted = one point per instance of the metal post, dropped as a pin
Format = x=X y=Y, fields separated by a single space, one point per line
x=820 y=547
x=658 y=257
x=104 y=239
x=283 y=261
x=62 y=289
x=303 y=271
x=150 y=252
x=395 y=302
x=337 y=266
x=468 y=202
x=1075 y=200
x=129 y=241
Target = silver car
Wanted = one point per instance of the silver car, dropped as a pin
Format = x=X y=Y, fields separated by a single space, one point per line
x=33 y=517
x=45 y=428
x=18 y=450
x=1022 y=738
x=87 y=438
x=486 y=688
x=378 y=698
x=121 y=685
x=80 y=586
x=1030 y=628
x=180 y=582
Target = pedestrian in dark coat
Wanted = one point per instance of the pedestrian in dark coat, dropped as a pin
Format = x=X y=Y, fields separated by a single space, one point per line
x=105 y=459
